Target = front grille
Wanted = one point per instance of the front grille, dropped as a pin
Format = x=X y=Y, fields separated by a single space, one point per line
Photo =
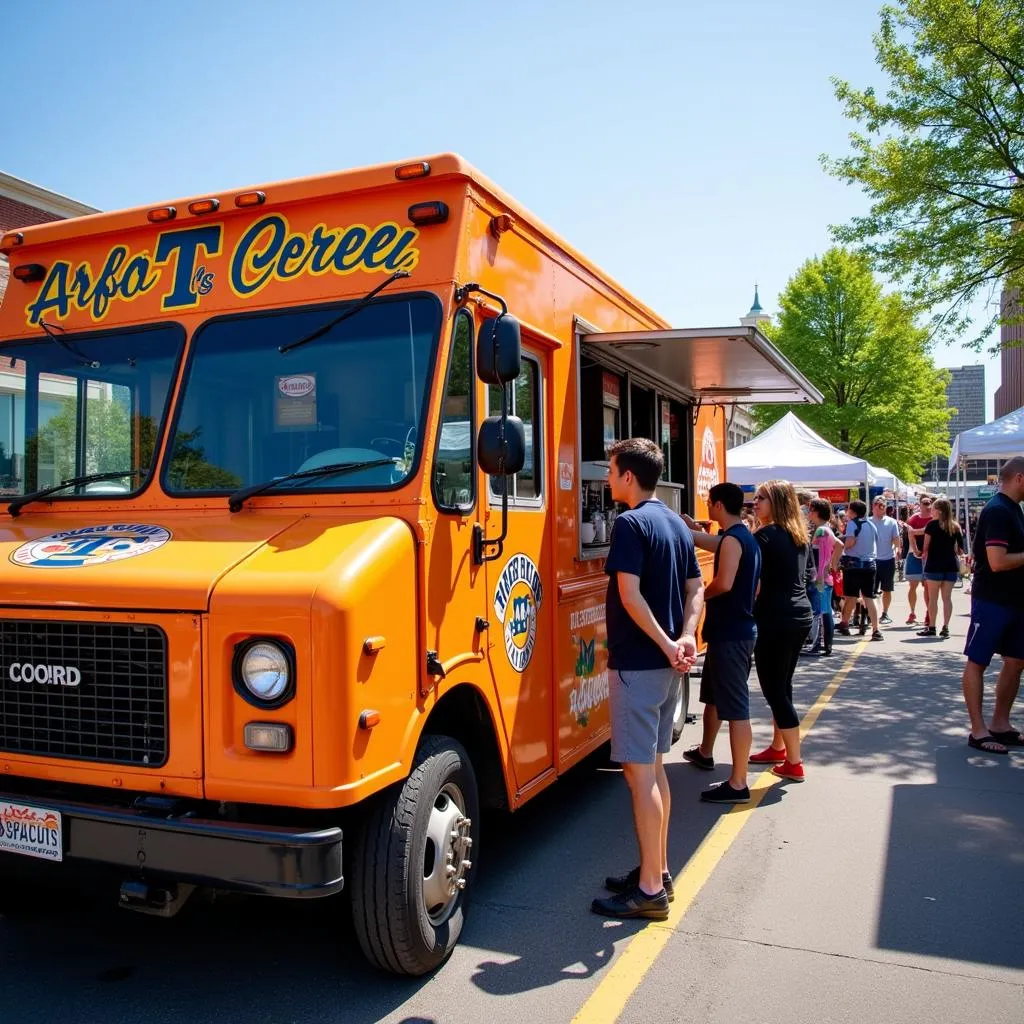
x=87 y=691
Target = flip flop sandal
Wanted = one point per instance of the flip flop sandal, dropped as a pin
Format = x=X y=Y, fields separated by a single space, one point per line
x=981 y=744
x=1010 y=738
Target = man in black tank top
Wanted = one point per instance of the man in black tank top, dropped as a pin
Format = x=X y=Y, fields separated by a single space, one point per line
x=729 y=632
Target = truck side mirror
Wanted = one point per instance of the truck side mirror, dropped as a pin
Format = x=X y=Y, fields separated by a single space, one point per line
x=499 y=350
x=501 y=445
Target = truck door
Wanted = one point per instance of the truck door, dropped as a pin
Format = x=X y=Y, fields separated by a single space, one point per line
x=520 y=611
x=456 y=593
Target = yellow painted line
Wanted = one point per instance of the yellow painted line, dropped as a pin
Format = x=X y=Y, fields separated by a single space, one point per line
x=608 y=1000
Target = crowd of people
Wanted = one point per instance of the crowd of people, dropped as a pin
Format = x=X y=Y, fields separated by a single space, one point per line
x=778 y=577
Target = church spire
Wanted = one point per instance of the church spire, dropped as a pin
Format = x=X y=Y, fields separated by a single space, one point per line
x=756 y=307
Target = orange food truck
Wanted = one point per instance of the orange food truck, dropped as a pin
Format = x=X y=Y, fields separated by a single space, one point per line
x=302 y=532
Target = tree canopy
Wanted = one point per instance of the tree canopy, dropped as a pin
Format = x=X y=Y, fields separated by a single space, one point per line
x=941 y=155
x=884 y=399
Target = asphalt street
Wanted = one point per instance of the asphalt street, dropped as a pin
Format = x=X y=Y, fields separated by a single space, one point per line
x=888 y=887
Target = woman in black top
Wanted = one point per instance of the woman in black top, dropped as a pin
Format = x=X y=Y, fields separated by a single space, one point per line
x=943 y=542
x=783 y=616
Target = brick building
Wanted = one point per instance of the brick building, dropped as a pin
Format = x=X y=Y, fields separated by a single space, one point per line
x=23 y=204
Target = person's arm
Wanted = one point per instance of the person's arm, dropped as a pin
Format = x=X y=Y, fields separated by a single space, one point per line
x=837 y=553
x=1001 y=560
x=704 y=540
x=849 y=539
x=728 y=564
x=924 y=547
x=692 y=607
x=897 y=545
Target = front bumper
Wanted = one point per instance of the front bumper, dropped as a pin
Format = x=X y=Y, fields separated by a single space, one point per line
x=263 y=859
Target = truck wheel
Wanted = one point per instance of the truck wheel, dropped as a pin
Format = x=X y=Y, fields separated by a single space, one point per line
x=682 y=707
x=412 y=868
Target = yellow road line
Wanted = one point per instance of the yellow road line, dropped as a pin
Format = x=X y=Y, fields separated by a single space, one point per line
x=608 y=1000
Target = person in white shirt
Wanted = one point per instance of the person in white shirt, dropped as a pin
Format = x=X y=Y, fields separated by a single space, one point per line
x=888 y=531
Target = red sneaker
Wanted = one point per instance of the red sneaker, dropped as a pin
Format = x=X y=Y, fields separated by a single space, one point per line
x=911 y=619
x=768 y=756
x=793 y=772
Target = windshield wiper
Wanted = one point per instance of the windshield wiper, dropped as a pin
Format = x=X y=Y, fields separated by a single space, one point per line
x=351 y=311
x=15 y=507
x=51 y=332
x=236 y=500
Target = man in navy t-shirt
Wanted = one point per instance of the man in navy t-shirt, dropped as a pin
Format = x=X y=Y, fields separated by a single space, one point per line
x=997 y=612
x=655 y=594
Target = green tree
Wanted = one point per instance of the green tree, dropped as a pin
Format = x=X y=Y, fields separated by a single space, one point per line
x=884 y=399
x=108 y=438
x=941 y=154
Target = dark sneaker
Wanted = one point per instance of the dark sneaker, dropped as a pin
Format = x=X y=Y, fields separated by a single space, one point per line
x=944 y=632
x=723 y=793
x=877 y=636
x=633 y=902
x=696 y=758
x=863 y=628
x=843 y=630
x=885 y=620
x=621 y=883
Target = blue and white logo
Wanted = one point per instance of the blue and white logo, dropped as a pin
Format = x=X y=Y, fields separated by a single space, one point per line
x=91 y=545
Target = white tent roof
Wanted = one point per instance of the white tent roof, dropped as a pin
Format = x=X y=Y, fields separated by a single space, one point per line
x=790 y=450
x=1002 y=438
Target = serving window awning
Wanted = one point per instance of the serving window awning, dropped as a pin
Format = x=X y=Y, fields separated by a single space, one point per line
x=715 y=364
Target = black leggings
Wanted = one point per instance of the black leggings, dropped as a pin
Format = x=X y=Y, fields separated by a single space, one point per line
x=776 y=654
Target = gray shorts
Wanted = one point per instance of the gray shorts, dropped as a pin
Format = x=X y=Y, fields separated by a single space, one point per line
x=723 y=681
x=642 y=703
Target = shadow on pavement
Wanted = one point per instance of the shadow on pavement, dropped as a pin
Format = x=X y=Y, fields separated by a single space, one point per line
x=954 y=874
x=529 y=926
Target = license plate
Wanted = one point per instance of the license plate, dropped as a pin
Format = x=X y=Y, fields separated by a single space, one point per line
x=32 y=831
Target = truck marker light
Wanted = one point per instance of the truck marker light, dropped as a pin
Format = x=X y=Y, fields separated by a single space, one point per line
x=161 y=214
x=201 y=206
x=408 y=171
x=368 y=719
x=373 y=644
x=29 y=272
x=11 y=239
x=434 y=212
x=273 y=737
x=254 y=198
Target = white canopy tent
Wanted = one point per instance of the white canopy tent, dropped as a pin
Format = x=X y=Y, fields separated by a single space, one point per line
x=790 y=450
x=1001 y=439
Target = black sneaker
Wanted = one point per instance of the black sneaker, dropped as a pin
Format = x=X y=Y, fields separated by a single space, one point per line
x=622 y=883
x=864 y=629
x=877 y=635
x=633 y=902
x=698 y=760
x=810 y=652
x=843 y=630
x=885 y=620
x=723 y=793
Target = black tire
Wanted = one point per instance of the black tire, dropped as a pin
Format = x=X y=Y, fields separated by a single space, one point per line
x=682 y=708
x=389 y=913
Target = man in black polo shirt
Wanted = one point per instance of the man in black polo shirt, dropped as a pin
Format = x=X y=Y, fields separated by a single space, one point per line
x=997 y=612
x=655 y=594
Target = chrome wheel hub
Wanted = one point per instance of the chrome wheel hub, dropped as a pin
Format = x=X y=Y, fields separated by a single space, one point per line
x=446 y=855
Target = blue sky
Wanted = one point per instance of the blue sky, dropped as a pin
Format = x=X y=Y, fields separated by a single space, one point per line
x=674 y=143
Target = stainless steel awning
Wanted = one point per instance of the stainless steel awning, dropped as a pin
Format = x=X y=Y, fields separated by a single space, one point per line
x=715 y=364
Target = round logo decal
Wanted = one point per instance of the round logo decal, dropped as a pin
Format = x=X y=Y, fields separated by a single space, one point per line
x=90 y=545
x=707 y=475
x=298 y=386
x=517 y=598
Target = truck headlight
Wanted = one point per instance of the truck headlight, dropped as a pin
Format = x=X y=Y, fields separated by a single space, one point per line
x=264 y=672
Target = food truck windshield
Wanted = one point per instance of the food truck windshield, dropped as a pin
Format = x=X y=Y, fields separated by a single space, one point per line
x=354 y=395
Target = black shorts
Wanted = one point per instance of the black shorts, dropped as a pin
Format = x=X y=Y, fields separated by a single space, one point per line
x=723 y=682
x=885 y=578
x=858 y=583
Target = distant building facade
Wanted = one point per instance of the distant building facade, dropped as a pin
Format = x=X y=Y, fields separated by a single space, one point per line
x=1010 y=393
x=965 y=394
x=740 y=420
x=23 y=204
